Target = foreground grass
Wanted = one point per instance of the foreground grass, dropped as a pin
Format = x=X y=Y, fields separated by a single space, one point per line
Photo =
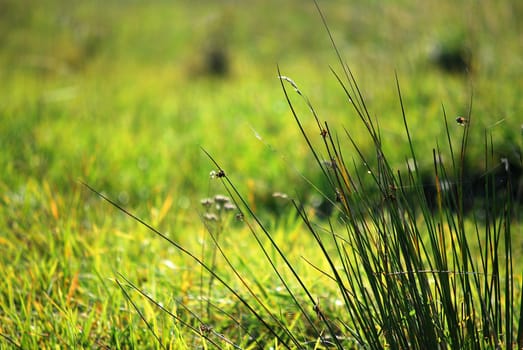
x=89 y=95
x=59 y=286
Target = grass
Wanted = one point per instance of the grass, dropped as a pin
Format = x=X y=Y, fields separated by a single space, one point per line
x=89 y=95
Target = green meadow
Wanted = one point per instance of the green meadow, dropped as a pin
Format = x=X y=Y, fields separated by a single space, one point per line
x=131 y=97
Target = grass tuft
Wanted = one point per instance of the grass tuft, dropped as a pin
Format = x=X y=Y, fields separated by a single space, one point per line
x=389 y=225
x=410 y=275
x=409 y=271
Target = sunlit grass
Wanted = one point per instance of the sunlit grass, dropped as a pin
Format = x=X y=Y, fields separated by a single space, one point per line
x=118 y=95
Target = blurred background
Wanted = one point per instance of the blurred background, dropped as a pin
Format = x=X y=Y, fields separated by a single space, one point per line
x=124 y=94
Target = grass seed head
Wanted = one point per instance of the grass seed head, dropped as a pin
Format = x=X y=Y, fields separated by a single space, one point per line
x=217 y=174
x=229 y=206
x=210 y=217
x=461 y=121
x=280 y=195
x=221 y=199
x=207 y=202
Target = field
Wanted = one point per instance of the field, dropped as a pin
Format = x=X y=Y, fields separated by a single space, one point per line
x=130 y=98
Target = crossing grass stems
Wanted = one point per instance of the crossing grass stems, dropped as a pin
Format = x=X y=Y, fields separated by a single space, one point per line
x=409 y=275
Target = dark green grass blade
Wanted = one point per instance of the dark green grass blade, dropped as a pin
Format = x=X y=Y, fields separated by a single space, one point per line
x=520 y=321
x=10 y=341
x=243 y=281
x=142 y=316
x=194 y=258
x=234 y=193
x=163 y=309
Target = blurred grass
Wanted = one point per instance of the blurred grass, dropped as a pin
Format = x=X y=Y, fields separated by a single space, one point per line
x=119 y=94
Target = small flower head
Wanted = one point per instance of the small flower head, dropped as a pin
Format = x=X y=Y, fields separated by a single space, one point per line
x=217 y=174
x=290 y=81
x=329 y=163
x=221 y=199
x=461 y=121
x=229 y=206
x=280 y=195
x=338 y=195
x=204 y=329
x=210 y=217
x=207 y=202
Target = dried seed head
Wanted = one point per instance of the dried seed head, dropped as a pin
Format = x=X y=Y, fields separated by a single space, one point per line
x=280 y=195
x=205 y=329
x=214 y=174
x=229 y=206
x=210 y=217
x=317 y=310
x=207 y=202
x=329 y=163
x=461 y=121
x=290 y=81
x=338 y=195
x=219 y=198
x=392 y=192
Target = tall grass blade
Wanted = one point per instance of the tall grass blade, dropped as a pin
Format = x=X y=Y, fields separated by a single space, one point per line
x=194 y=258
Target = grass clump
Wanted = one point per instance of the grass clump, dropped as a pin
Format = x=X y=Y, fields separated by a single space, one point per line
x=89 y=94
x=404 y=270
x=414 y=276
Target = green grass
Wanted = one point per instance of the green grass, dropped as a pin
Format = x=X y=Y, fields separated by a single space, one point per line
x=117 y=95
